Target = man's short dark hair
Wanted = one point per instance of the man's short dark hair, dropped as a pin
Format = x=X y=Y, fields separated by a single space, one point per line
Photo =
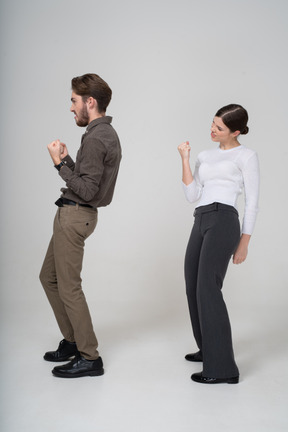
x=91 y=85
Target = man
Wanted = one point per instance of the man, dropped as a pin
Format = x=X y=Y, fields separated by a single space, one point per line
x=90 y=184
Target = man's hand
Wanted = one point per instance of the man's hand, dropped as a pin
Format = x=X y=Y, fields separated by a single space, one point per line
x=57 y=151
x=64 y=151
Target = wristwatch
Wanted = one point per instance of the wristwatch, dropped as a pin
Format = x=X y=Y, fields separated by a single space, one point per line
x=59 y=166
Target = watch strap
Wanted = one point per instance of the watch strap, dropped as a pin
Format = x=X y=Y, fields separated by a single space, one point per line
x=59 y=166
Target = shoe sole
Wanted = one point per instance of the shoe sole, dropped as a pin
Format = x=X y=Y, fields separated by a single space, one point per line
x=190 y=360
x=79 y=374
x=234 y=380
x=62 y=359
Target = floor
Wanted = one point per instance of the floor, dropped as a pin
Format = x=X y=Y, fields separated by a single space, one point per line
x=146 y=385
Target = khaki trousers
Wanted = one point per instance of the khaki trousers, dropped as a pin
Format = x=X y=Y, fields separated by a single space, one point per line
x=61 y=276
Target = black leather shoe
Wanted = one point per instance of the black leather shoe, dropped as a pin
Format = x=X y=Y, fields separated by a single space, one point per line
x=80 y=367
x=196 y=357
x=198 y=377
x=64 y=352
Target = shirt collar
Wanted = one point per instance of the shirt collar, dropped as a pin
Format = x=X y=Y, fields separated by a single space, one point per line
x=105 y=119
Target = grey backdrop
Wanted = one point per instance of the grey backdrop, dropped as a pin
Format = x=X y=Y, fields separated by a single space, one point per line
x=171 y=65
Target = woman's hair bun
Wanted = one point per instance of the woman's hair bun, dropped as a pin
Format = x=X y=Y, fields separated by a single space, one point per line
x=245 y=131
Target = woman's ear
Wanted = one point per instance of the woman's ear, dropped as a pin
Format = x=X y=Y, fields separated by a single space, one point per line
x=236 y=133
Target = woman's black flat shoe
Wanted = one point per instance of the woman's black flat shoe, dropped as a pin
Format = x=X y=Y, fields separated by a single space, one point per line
x=196 y=357
x=198 y=377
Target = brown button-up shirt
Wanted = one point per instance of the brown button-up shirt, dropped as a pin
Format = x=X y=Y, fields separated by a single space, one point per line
x=92 y=178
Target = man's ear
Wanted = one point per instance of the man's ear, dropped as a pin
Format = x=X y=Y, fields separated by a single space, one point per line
x=92 y=103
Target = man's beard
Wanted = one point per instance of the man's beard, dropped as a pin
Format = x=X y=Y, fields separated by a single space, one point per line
x=82 y=119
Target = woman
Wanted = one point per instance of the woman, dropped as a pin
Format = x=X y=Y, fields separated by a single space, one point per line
x=219 y=177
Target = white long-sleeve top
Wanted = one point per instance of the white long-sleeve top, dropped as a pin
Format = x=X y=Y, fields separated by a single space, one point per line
x=222 y=175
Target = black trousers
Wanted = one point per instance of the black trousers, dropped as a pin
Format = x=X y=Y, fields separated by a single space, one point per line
x=214 y=238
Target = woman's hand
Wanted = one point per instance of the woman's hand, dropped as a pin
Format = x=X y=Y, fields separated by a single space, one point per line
x=241 y=252
x=184 y=150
